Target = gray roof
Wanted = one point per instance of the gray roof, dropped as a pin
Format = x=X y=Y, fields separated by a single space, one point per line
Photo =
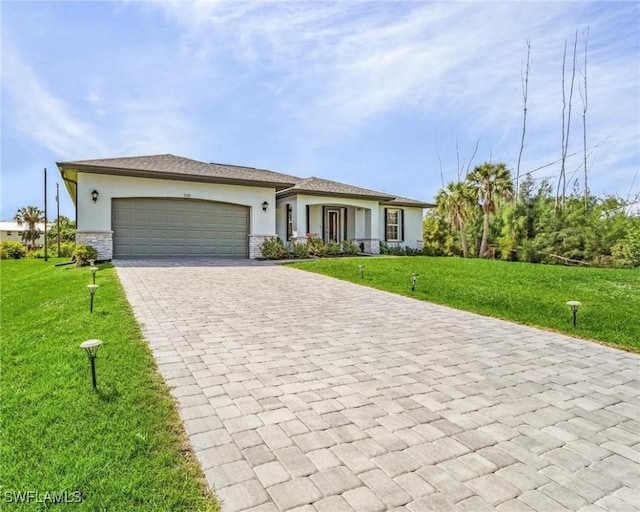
x=405 y=201
x=320 y=186
x=176 y=167
x=180 y=168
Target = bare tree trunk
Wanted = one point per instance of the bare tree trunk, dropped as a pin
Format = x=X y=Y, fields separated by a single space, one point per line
x=584 y=125
x=566 y=127
x=564 y=109
x=525 y=94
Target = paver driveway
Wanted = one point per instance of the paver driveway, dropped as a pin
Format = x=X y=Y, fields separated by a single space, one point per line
x=298 y=390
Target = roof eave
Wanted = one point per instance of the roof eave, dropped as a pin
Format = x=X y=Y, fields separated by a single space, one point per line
x=141 y=173
x=294 y=192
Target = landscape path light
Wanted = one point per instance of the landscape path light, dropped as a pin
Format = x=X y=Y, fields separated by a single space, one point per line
x=92 y=262
x=414 y=280
x=92 y=292
x=361 y=268
x=93 y=273
x=574 y=305
x=91 y=347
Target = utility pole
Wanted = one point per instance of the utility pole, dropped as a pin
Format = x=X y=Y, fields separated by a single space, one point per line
x=58 y=214
x=45 y=215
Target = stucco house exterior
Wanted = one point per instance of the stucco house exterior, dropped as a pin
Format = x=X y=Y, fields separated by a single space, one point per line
x=12 y=232
x=171 y=206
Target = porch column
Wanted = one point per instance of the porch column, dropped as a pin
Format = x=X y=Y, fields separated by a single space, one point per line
x=371 y=241
x=300 y=223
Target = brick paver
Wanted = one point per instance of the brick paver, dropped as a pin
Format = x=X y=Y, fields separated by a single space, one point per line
x=303 y=392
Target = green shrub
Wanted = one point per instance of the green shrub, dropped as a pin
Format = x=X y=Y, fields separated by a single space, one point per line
x=350 y=247
x=333 y=249
x=626 y=253
x=317 y=247
x=12 y=250
x=84 y=253
x=300 y=251
x=273 y=249
x=399 y=250
x=384 y=247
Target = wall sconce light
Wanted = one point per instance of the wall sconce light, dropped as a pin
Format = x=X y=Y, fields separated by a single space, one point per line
x=94 y=195
x=265 y=205
x=91 y=347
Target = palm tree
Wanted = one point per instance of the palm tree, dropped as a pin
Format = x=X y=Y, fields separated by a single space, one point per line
x=31 y=216
x=490 y=181
x=453 y=204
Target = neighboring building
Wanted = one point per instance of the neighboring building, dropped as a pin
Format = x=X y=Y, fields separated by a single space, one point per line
x=13 y=232
x=169 y=206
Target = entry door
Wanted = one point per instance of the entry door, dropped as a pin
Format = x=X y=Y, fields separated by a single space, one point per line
x=334 y=225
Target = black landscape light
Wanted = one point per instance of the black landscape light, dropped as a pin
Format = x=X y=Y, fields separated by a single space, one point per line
x=574 y=305
x=361 y=268
x=93 y=273
x=414 y=280
x=92 y=292
x=91 y=347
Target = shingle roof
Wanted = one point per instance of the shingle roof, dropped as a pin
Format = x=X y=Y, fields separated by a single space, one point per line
x=405 y=201
x=315 y=185
x=176 y=167
x=172 y=166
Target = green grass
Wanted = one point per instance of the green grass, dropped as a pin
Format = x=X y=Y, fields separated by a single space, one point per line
x=122 y=447
x=522 y=292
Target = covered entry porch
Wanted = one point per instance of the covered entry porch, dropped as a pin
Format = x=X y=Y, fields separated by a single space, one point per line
x=302 y=217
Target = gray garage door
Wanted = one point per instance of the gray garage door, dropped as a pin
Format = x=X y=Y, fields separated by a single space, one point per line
x=173 y=228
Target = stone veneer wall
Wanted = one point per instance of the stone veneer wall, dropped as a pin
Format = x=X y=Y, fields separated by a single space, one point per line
x=101 y=241
x=371 y=245
x=255 y=245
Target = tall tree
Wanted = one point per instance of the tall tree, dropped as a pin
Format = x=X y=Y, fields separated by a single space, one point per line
x=490 y=182
x=453 y=202
x=31 y=216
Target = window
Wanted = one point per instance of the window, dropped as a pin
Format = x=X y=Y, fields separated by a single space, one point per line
x=8 y=233
x=393 y=225
x=289 y=222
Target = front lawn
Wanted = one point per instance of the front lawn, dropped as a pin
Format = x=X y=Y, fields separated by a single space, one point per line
x=523 y=292
x=120 y=448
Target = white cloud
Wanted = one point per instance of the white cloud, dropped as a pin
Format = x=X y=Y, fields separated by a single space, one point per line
x=37 y=112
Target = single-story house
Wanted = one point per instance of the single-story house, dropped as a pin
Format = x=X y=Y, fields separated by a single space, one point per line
x=169 y=206
x=12 y=232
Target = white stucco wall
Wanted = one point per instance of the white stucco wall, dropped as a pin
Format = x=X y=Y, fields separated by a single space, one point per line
x=96 y=217
x=412 y=226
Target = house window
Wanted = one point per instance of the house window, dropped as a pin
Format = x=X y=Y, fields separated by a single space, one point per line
x=289 y=222
x=8 y=233
x=393 y=225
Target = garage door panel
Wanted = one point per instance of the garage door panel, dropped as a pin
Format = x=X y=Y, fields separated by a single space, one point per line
x=154 y=227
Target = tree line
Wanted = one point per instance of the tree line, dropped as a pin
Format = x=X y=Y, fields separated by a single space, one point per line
x=483 y=216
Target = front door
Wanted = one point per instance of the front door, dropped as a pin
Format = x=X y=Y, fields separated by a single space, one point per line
x=334 y=225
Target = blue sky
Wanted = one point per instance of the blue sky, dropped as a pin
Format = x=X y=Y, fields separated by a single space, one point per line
x=377 y=94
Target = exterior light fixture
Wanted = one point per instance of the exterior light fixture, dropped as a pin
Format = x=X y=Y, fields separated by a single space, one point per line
x=92 y=262
x=361 y=268
x=574 y=305
x=91 y=347
x=92 y=292
x=414 y=280
x=94 y=195
x=93 y=273
x=265 y=205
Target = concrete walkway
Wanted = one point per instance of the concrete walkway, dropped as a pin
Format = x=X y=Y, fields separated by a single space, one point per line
x=301 y=392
